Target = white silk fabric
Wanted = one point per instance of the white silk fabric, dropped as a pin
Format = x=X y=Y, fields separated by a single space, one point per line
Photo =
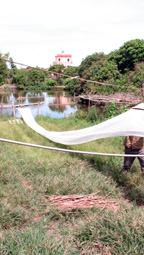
x=130 y=123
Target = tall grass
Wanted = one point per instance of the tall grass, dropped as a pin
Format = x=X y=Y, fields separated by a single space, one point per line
x=27 y=174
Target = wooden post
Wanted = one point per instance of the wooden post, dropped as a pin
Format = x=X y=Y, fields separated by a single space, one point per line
x=20 y=99
x=89 y=103
x=1 y=106
x=59 y=75
x=13 y=105
x=142 y=88
x=74 y=97
x=41 y=100
x=2 y=102
x=38 y=108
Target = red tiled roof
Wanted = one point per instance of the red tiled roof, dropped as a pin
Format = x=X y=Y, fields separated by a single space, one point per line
x=64 y=55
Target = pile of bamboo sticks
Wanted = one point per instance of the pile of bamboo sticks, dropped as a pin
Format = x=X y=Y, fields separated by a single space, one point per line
x=70 y=202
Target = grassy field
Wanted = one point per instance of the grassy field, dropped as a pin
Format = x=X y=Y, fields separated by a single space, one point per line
x=29 y=174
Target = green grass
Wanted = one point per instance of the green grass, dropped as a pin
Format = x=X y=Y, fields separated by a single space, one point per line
x=26 y=174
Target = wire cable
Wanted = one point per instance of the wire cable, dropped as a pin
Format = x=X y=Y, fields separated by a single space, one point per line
x=67 y=150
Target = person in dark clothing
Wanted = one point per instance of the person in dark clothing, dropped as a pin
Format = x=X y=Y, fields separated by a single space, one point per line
x=133 y=145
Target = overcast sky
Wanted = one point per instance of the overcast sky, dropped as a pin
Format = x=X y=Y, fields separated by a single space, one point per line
x=33 y=31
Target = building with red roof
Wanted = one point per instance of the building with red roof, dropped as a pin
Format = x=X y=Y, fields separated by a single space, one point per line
x=63 y=59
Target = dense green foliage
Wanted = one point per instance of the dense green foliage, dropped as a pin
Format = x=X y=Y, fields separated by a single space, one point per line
x=73 y=85
x=71 y=71
x=31 y=77
x=89 y=61
x=56 y=68
x=137 y=76
x=51 y=83
x=4 y=72
x=116 y=68
x=35 y=76
x=20 y=78
x=131 y=53
x=102 y=71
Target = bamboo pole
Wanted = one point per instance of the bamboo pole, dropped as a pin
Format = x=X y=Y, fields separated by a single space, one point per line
x=67 y=150
x=13 y=105
x=38 y=108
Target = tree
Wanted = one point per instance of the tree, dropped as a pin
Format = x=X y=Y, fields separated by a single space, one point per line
x=12 y=65
x=20 y=78
x=89 y=61
x=128 y=55
x=35 y=76
x=71 y=71
x=51 y=83
x=57 y=69
x=13 y=68
x=136 y=77
x=102 y=71
x=73 y=85
x=4 y=72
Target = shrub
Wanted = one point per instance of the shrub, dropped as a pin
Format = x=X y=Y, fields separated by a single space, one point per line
x=51 y=83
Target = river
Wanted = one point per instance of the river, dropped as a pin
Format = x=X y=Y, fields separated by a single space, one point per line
x=55 y=104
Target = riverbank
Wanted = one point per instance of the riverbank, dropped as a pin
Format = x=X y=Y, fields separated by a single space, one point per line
x=10 y=86
x=118 y=98
x=98 y=99
x=29 y=224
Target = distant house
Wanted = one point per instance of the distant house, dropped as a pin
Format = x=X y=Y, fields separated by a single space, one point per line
x=65 y=59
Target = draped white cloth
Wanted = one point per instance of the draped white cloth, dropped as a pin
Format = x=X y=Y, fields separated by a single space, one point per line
x=129 y=123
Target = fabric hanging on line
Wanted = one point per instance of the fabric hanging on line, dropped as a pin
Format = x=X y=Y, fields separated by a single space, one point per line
x=130 y=123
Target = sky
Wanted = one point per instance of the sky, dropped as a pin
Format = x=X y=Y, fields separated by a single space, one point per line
x=33 y=32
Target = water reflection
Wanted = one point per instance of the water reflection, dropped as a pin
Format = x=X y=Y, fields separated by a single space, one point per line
x=55 y=104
